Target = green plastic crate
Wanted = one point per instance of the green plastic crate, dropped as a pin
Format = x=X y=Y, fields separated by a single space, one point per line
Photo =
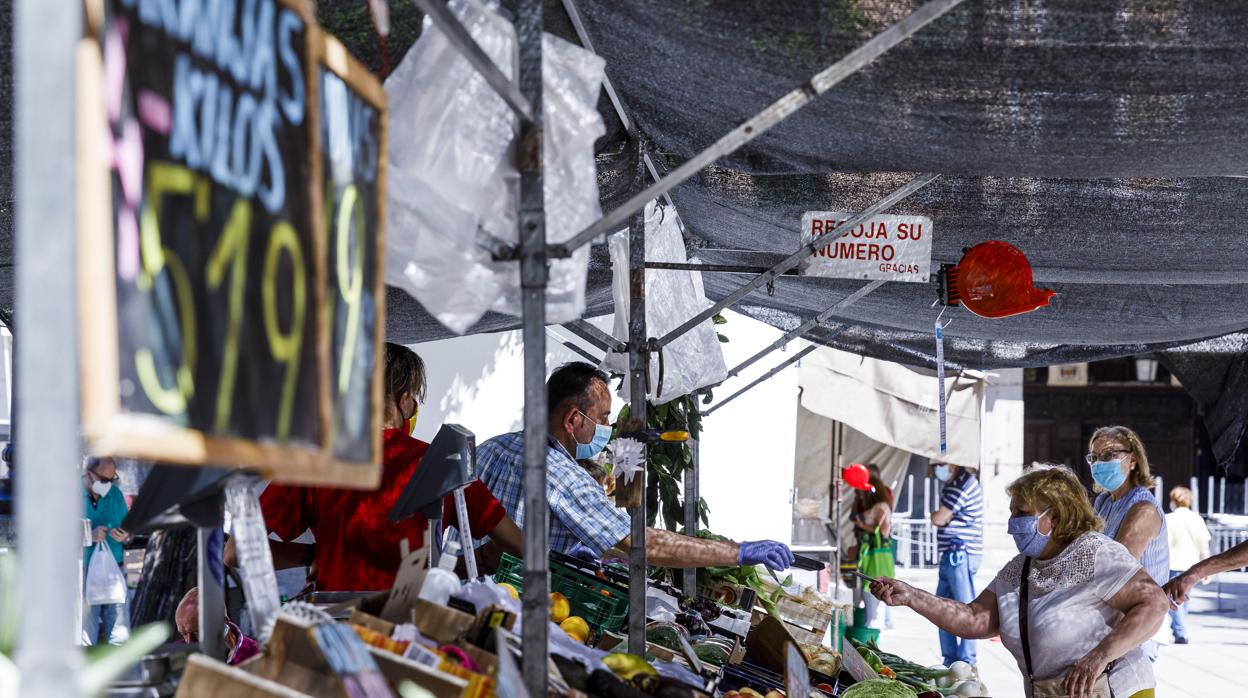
x=603 y=607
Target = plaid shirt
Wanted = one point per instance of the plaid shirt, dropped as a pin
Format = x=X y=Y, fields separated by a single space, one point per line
x=579 y=508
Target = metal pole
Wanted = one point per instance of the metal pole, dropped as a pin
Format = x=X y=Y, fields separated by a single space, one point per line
x=802 y=253
x=810 y=324
x=459 y=37
x=638 y=367
x=692 y=474
x=49 y=490
x=595 y=336
x=211 y=579
x=1208 y=498
x=533 y=276
x=837 y=435
x=767 y=118
x=783 y=365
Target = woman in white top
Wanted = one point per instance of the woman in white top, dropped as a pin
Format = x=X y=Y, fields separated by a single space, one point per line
x=1090 y=604
x=1189 y=544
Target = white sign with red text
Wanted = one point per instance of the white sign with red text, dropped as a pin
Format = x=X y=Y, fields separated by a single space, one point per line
x=890 y=248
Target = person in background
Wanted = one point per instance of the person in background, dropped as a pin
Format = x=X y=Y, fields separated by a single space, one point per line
x=874 y=471
x=238 y=647
x=876 y=518
x=357 y=548
x=1189 y=544
x=105 y=508
x=960 y=543
x=1090 y=604
x=579 y=427
x=1126 y=503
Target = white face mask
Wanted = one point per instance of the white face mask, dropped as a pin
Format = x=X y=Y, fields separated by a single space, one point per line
x=101 y=488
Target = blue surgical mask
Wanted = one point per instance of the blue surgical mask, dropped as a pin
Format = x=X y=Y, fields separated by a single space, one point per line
x=1027 y=536
x=1108 y=474
x=942 y=473
x=602 y=434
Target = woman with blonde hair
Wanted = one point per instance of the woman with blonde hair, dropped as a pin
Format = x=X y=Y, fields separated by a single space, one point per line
x=1073 y=607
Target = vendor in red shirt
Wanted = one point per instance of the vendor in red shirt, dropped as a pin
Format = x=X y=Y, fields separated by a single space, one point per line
x=357 y=547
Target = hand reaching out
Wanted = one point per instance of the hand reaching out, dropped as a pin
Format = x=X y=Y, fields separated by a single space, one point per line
x=893 y=592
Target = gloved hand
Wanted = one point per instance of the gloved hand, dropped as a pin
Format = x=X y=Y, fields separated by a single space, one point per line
x=775 y=556
x=581 y=551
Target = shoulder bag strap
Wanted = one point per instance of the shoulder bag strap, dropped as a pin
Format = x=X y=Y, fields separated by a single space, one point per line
x=1023 y=616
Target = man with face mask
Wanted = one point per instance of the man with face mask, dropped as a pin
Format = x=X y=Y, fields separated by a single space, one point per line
x=105 y=507
x=357 y=547
x=582 y=519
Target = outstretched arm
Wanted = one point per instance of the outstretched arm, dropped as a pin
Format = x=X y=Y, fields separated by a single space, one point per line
x=976 y=620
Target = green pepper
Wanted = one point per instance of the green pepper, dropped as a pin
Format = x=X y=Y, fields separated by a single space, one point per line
x=871 y=658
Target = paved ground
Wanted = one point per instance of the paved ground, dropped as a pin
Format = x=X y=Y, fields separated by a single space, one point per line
x=1214 y=665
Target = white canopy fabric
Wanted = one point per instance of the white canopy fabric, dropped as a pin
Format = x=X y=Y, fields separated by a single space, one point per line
x=893 y=404
x=889 y=412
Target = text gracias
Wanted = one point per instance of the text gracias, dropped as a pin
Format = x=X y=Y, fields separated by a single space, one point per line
x=848 y=249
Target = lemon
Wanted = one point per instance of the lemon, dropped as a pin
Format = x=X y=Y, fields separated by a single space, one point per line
x=576 y=627
x=560 y=609
x=515 y=593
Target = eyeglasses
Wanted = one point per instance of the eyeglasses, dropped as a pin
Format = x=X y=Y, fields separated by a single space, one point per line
x=1105 y=455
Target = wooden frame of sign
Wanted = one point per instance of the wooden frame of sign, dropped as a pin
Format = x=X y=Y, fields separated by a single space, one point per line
x=187 y=138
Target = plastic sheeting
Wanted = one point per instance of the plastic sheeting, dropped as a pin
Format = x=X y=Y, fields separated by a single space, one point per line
x=695 y=359
x=452 y=175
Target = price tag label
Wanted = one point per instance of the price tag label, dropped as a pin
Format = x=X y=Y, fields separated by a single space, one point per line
x=796 y=675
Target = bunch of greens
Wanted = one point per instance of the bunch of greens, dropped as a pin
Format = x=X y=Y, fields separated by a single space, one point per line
x=745 y=576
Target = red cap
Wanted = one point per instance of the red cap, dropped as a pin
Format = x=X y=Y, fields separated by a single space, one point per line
x=857 y=477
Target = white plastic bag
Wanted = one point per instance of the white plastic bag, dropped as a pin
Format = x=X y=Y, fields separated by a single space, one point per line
x=106 y=585
x=451 y=171
x=693 y=360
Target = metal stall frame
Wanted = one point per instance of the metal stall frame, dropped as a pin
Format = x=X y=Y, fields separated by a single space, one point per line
x=534 y=253
x=45 y=75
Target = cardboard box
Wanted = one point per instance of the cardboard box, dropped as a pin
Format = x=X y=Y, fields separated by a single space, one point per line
x=767 y=643
x=439 y=623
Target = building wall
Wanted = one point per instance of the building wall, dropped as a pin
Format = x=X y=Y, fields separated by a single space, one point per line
x=1060 y=420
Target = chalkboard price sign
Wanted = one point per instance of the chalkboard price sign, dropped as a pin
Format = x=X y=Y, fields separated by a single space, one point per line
x=210 y=326
x=351 y=173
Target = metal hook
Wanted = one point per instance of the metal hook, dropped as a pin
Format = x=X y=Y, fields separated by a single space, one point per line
x=771 y=287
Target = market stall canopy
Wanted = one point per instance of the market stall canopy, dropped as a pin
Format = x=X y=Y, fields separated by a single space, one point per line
x=1105 y=140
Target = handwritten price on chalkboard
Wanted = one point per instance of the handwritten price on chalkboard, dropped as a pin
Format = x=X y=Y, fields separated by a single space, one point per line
x=350 y=272
x=228 y=258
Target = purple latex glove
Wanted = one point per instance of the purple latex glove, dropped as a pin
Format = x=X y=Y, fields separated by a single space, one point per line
x=776 y=556
x=580 y=550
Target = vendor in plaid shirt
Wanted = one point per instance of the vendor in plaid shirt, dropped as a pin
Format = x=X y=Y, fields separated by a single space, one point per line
x=583 y=520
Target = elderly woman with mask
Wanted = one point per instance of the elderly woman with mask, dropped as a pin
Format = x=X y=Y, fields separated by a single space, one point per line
x=1132 y=515
x=1073 y=607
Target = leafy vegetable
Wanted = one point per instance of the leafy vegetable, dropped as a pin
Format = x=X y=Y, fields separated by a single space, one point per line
x=879 y=688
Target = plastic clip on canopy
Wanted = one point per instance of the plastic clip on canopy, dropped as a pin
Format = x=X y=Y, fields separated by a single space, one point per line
x=993 y=280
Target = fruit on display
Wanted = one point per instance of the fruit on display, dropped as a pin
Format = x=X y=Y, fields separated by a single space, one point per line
x=628 y=666
x=560 y=609
x=511 y=590
x=576 y=627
